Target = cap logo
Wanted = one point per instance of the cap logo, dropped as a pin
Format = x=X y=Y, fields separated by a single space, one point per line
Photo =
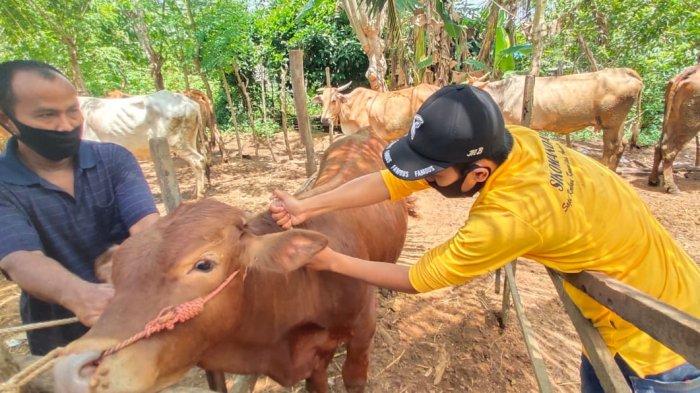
x=417 y=122
x=475 y=152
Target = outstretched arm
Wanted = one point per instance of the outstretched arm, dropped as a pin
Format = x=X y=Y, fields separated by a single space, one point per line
x=362 y=191
x=381 y=274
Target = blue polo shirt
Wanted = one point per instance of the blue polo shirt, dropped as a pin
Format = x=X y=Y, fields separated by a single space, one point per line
x=111 y=195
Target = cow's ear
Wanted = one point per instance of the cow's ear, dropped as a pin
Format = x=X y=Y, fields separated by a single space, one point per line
x=103 y=265
x=317 y=99
x=342 y=98
x=283 y=251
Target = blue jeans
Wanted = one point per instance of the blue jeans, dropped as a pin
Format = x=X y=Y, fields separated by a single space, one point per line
x=684 y=378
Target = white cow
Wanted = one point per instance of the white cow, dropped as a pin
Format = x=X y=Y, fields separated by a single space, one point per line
x=132 y=121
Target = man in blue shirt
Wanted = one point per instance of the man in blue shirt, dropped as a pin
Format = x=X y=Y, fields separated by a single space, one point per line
x=63 y=202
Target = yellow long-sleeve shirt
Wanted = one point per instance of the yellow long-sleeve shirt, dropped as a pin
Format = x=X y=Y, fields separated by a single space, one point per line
x=558 y=207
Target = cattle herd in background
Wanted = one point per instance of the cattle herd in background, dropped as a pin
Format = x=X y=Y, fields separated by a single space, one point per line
x=562 y=104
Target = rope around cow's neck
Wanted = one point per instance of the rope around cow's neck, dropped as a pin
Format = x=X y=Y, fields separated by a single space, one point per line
x=172 y=315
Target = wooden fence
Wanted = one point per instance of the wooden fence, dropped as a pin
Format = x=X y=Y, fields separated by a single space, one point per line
x=675 y=329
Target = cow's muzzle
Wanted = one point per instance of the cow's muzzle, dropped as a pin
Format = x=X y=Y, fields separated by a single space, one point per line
x=326 y=121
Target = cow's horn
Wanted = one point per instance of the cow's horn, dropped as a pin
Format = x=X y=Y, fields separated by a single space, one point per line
x=484 y=78
x=345 y=86
x=320 y=89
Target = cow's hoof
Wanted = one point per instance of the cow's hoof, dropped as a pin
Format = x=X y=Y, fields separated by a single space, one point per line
x=653 y=183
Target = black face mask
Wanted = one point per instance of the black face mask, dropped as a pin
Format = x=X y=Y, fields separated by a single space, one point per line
x=50 y=144
x=454 y=190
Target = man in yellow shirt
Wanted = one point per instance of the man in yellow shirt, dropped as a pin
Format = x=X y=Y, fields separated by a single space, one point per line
x=536 y=199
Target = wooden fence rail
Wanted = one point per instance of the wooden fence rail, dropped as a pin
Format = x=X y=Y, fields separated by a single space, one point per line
x=676 y=329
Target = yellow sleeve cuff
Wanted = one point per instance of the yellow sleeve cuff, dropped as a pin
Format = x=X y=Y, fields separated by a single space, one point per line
x=400 y=189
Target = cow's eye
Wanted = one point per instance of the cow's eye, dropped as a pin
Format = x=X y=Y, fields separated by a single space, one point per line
x=204 y=265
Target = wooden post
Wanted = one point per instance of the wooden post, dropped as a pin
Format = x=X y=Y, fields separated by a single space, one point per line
x=165 y=171
x=498 y=280
x=528 y=98
x=283 y=108
x=607 y=371
x=677 y=330
x=533 y=349
x=697 y=149
x=328 y=85
x=560 y=72
x=505 y=303
x=296 y=63
x=232 y=110
x=217 y=381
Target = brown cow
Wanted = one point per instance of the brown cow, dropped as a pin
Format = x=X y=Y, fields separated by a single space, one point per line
x=209 y=118
x=286 y=326
x=568 y=103
x=116 y=93
x=681 y=124
x=389 y=114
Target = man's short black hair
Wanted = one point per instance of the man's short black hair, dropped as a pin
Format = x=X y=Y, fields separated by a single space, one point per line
x=7 y=71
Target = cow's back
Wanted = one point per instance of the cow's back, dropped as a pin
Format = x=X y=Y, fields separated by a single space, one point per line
x=132 y=121
x=570 y=102
x=682 y=115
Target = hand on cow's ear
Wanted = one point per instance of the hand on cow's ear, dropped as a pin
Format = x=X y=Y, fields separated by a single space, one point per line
x=103 y=265
x=283 y=251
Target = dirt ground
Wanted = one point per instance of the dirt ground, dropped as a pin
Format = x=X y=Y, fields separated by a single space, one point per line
x=449 y=340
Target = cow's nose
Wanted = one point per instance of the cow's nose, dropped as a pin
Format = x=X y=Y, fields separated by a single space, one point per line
x=325 y=121
x=74 y=373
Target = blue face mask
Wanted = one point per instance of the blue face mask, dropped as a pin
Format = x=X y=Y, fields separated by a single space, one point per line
x=454 y=190
x=50 y=144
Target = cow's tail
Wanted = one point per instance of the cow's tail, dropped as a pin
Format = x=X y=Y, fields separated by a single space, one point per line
x=636 y=127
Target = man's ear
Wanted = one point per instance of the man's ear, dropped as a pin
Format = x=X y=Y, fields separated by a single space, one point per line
x=103 y=265
x=6 y=126
x=283 y=251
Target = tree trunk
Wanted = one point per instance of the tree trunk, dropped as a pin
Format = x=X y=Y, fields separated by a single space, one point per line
x=155 y=59
x=264 y=101
x=283 y=108
x=249 y=108
x=368 y=30
x=198 y=51
x=184 y=68
x=232 y=110
x=487 y=42
x=537 y=46
x=77 y=74
x=529 y=88
x=587 y=51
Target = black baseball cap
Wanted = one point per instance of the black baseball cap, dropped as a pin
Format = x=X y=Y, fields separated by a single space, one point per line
x=459 y=124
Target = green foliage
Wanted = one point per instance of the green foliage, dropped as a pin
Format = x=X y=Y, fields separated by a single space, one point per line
x=657 y=39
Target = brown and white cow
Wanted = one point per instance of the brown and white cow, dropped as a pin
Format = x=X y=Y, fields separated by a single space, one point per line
x=389 y=114
x=567 y=103
x=681 y=124
x=132 y=121
x=286 y=326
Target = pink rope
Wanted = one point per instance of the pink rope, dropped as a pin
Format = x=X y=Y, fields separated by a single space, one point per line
x=170 y=316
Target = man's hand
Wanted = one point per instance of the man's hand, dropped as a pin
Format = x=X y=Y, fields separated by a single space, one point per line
x=286 y=210
x=89 y=300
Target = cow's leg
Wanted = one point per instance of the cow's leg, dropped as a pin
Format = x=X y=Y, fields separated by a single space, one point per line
x=654 y=175
x=669 y=155
x=197 y=162
x=318 y=381
x=357 y=360
x=613 y=146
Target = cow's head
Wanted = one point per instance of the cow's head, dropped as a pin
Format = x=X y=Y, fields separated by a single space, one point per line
x=332 y=99
x=184 y=256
